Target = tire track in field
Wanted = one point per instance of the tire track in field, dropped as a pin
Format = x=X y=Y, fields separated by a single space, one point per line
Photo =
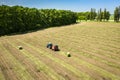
x=6 y=65
x=91 y=43
x=2 y=77
x=102 y=67
x=45 y=58
x=106 y=45
x=89 y=51
x=56 y=66
x=10 y=67
x=107 y=55
x=102 y=43
x=104 y=72
x=78 y=48
x=100 y=56
x=115 y=56
x=93 y=55
x=64 y=32
x=41 y=65
x=68 y=66
x=26 y=63
x=103 y=62
x=84 y=69
x=88 y=31
x=6 y=70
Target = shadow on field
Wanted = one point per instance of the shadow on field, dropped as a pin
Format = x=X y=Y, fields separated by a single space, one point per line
x=35 y=30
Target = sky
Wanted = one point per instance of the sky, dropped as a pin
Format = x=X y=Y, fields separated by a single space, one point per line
x=73 y=5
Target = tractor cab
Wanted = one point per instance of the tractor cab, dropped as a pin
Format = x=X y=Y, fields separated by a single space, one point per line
x=55 y=48
x=49 y=45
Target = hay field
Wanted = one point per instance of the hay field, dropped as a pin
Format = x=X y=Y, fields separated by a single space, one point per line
x=94 y=49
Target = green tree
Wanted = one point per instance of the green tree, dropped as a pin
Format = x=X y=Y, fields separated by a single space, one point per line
x=116 y=14
x=83 y=16
x=92 y=14
x=100 y=15
x=107 y=17
x=20 y=19
x=104 y=14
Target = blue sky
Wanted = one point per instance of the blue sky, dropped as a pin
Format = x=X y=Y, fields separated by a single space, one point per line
x=73 y=5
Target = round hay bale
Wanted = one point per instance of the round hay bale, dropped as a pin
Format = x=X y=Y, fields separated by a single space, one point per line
x=68 y=54
x=20 y=47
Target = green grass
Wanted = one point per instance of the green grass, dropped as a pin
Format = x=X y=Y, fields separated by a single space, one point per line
x=40 y=65
x=1 y=76
x=94 y=49
x=15 y=65
x=75 y=71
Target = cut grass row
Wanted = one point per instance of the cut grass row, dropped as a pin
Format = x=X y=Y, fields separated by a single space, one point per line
x=94 y=58
x=93 y=46
x=27 y=63
x=39 y=64
x=90 y=52
x=78 y=33
x=103 y=72
x=69 y=67
x=93 y=55
x=93 y=32
x=58 y=68
x=2 y=77
x=106 y=56
x=11 y=67
x=102 y=42
x=84 y=39
x=97 y=53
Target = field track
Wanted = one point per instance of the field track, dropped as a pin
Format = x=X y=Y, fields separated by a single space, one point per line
x=94 y=49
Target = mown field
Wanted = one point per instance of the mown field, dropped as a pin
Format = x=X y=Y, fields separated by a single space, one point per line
x=94 y=49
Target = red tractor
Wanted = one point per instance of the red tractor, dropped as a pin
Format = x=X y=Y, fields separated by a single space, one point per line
x=55 y=48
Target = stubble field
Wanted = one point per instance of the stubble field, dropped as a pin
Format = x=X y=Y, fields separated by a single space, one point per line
x=94 y=49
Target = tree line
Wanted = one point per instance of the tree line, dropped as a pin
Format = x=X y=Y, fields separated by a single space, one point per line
x=20 y=19
x=93 y=15
x=117 y=14
x=100 y=15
